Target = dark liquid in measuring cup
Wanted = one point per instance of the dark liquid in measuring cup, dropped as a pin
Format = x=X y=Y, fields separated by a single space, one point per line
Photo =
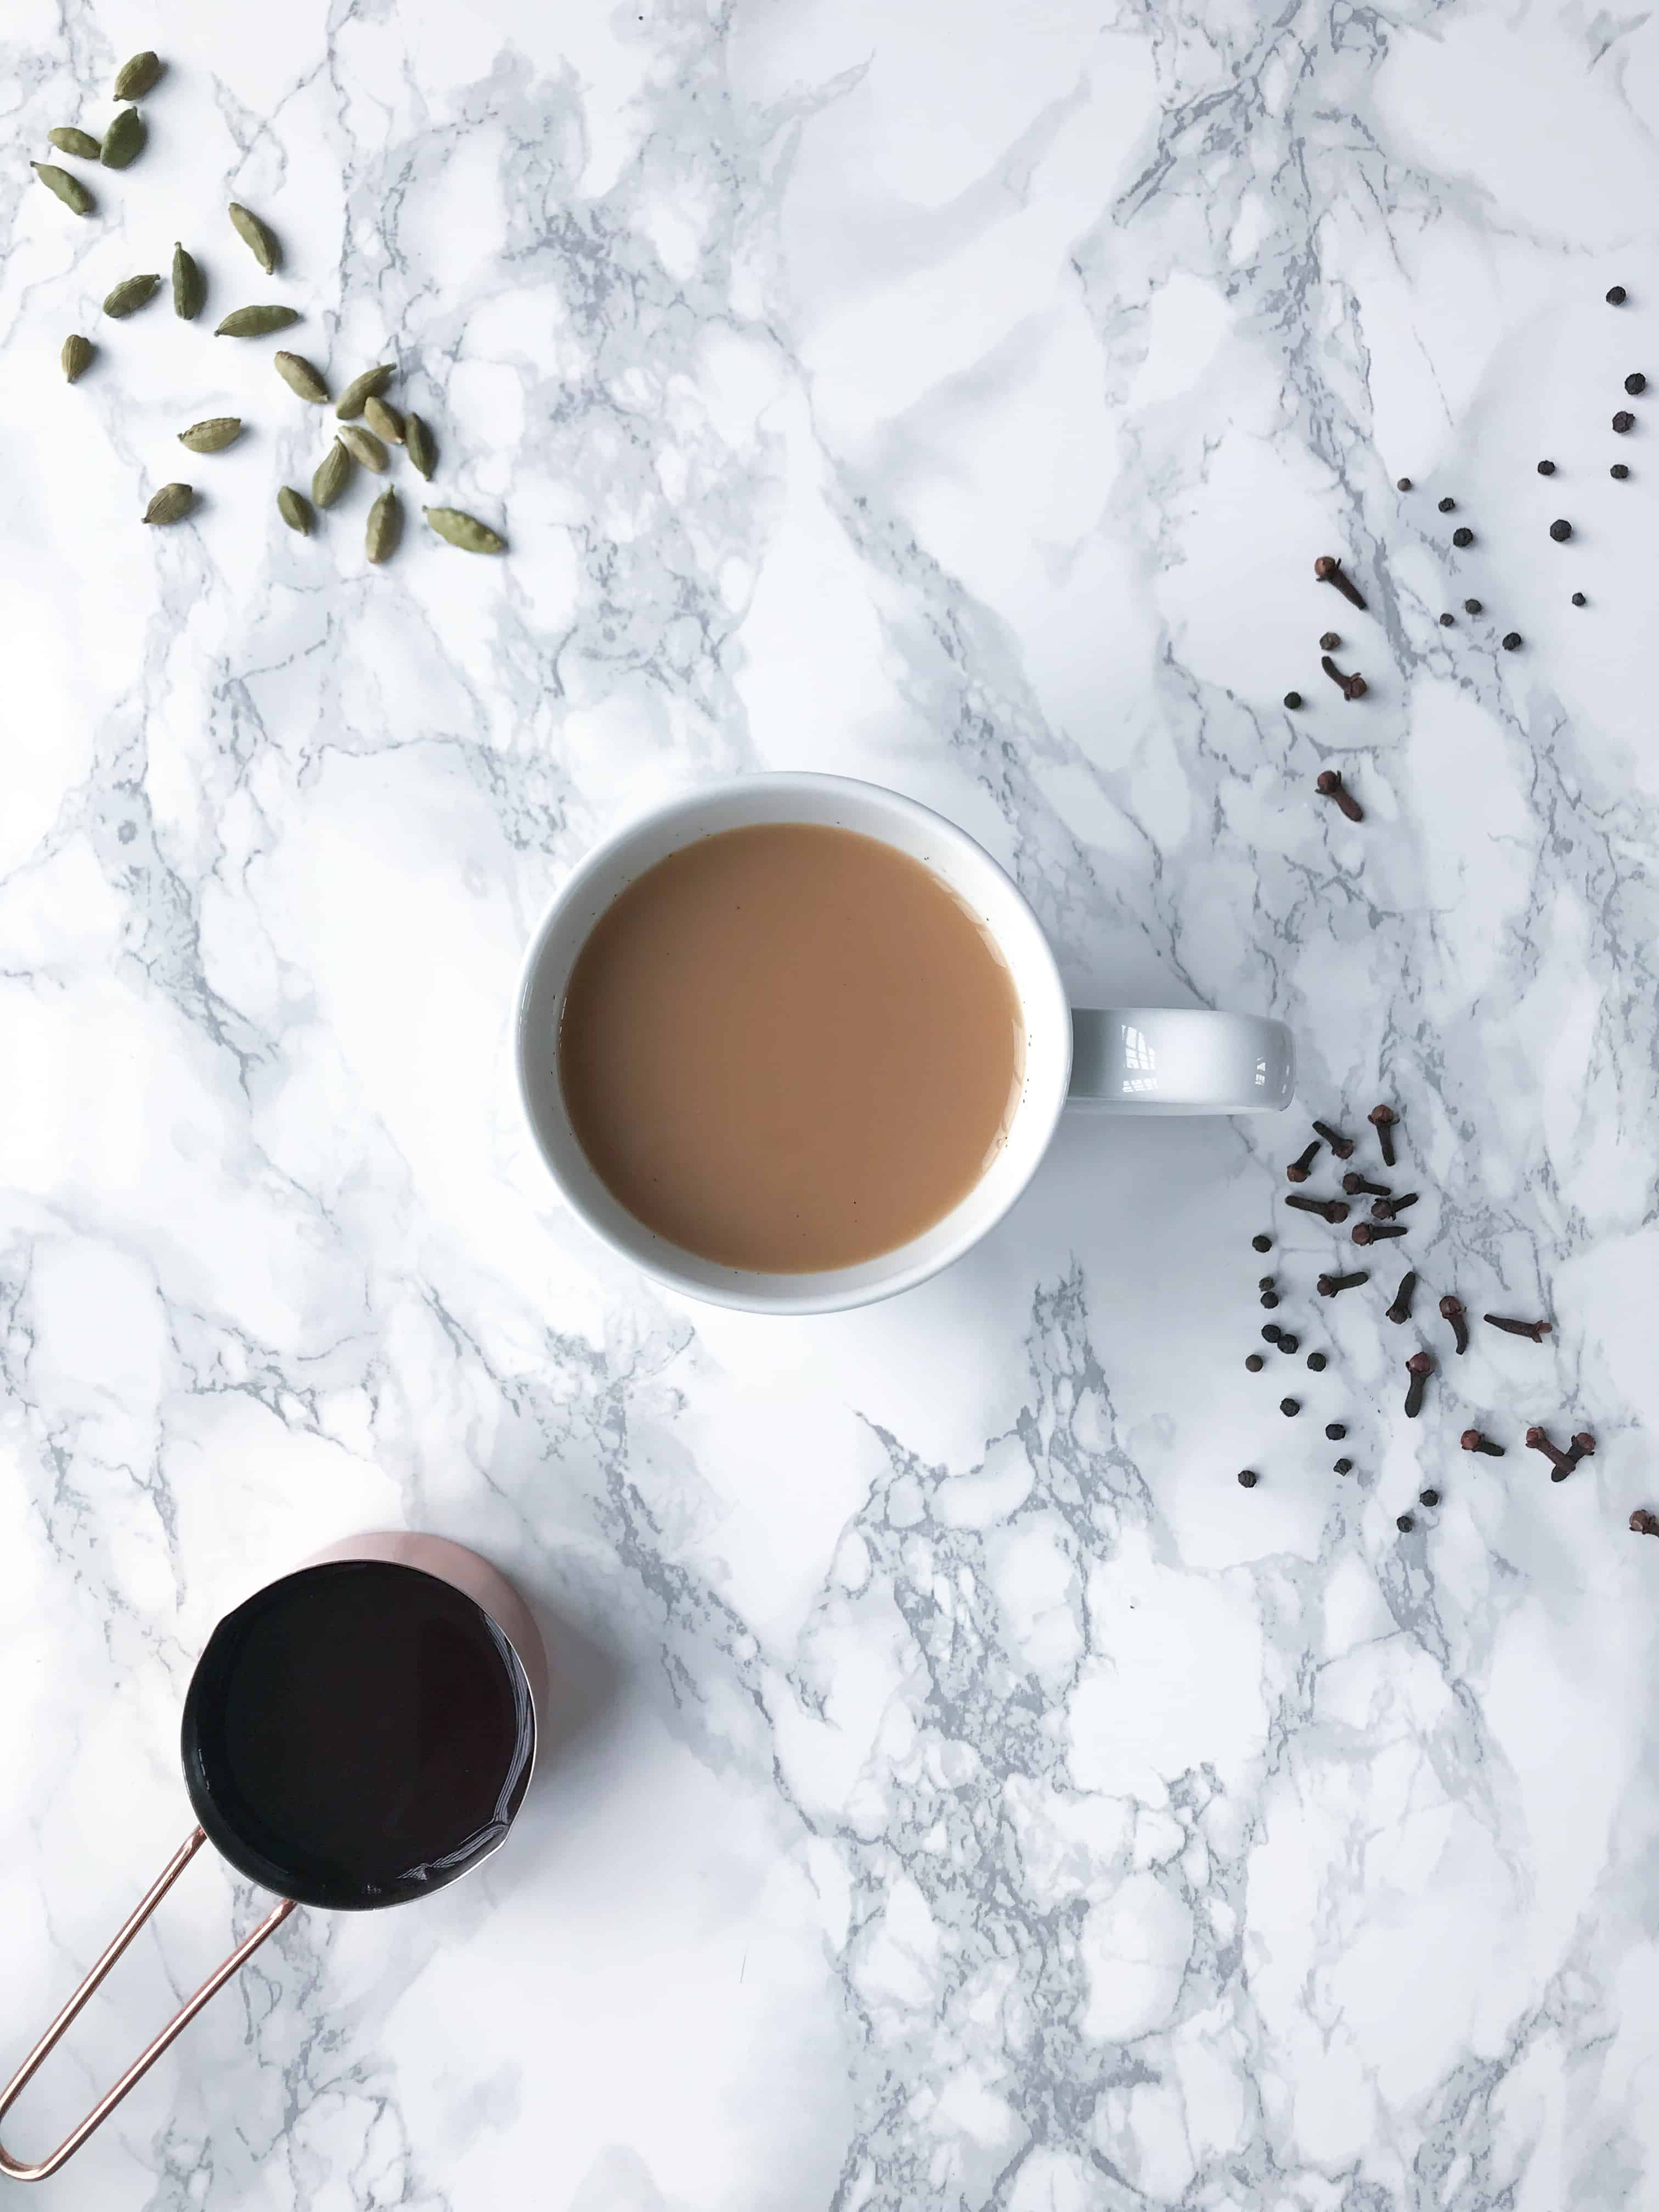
x=357 y=1734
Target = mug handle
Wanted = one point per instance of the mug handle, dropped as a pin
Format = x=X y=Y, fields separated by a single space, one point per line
x=146 y=2058
x=1165 y=1060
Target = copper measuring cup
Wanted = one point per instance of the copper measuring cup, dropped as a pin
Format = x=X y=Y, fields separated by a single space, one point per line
x=479 y=1637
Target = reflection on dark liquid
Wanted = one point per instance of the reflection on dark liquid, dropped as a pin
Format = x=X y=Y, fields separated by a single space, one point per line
x=356 y=1734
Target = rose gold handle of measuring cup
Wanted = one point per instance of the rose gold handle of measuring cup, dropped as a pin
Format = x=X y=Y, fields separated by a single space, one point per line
x=147 y=2057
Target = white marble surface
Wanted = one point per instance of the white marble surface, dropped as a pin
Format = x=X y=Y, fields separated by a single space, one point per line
x=971 y=1797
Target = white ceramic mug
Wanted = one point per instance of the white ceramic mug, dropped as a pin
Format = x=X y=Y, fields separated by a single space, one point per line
x=1131 y=1059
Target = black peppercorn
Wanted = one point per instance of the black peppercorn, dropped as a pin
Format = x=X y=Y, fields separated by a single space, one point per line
x=1402 y=484
x=1247 y=1478
x=1270 y=1300
x=1547 y=468
x=1254 y=1362
x=1635 y=384
x=1266 y=1282
x=1579 y=600
x=1342 y=1466
x=1317 y=1361
x=1617 y=296
x=1623 y=420
x=1560 y=531
x=1271 y=1331
x=1292 y=700
x=1511 y=641
x=1430 y=1497
x=1290 y=1407
x=1463 y=537
x=1447 y=505
x=1471 y=606
x=1405 y=1524
x=1329 y=641
x=1446 y=621
x=1618 y=472
x=1262 y=1244
x=1335 y=1430
x=1289 y=1343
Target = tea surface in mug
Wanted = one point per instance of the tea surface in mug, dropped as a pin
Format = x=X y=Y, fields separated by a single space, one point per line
x=789 y=1047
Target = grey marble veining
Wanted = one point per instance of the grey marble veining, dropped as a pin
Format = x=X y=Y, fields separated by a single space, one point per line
x=962 y=1792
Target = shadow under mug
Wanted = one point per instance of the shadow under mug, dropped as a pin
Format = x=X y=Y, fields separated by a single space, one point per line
x=1128 y=1060
x=449 y=1677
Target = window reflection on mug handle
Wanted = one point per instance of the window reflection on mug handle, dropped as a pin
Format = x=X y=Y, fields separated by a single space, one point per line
x=1167 y=1060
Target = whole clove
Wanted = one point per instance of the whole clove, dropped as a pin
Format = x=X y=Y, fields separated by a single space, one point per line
x=1472 y=1440
x=1290 y=1407
x=1329 y=569
x=1333 y=1210
x=1537 y=1330
x=1386 y=1208
x=1582 y=1447
x=1371 y=1232
x=1350 y=687
x=1329 y=785
x=1341 y=1146
x=1400 y=1310
x=1419 y=1367
x=1644 y=1524
x=1356 y=1185
x=1382 y=1119
x=1561 y=1463
x=1452 y=1309
x=1297 y=1170
x=1328 y=1285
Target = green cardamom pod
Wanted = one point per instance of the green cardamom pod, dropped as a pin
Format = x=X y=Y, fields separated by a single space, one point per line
x=129 y=294
x=418 y=444
x=295 y=509
x=123 y=142
x=350 y=402
x=383 y=419
x=137 y=76
x=81 y=144
x=256 y=322
x=297 y=372
x=72 y=192
x=260 y=242
x=333 y=474
x=77 y=355
x=171 y=504
x=213 y=436
x=189 y=289
x=386 y=527
x=363 y=446
x=463 y=530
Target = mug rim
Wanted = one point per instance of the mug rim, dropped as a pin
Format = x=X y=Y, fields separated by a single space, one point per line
x=1043 y=996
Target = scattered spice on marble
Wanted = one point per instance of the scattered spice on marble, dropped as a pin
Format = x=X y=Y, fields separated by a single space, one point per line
x=1386 y=1208
x=1419 y=1367
x=1448 y=621
x=1473 y=607
x=1402 y=484
x=301 y=377
x=1463 y=536
x=1429 y=1497
x=1382 y=1119
x=1293 y=699
x=137 y=76
x=1579 y=600
x=364 y=448
x=350 y=402
x=1623 y=420
x=1262 y=1243
x=1512 y=640
x=1297 y=1170
x=383 y=419
x=1636 y=383
x=1290 y=1407
x=72 y=192
x=1582 y=1447
x=1289 y=1343
x=1341 y=1146
x=259 y=237
x=81 y=144
x=1404 y=1523
x=1560 y=530
x=1269 y=1298
x=422 y=451
x=295 y=509
x=1547 y=468
x=1472 y=1440
x=1341 y=1467
x=1254 y=1362
x=1335 y=1430
x=189 y=290
x=1617 y=296
x=76 y=356
x=1356 y=1186
x=133 y=292
x=1271 y=1331
x=213 y=436
x=1329 y=570
x=1373 y=1232
x=333 y=473
x=1328 y=1209
x=1561 y=1465
x=1247 y=1478
x=1267 y=1282
x=1537 y=1330
x=1329 y=641
x=257 y=321
x=171 y=504
x=385 y=528
x=463 y=530
x=123 y=142
x=1317 y=1362
x=1644 y=1523
x=1329 y=1285
x=1329 y=785
x=1618 y=472
x=1452 y=1309
x=1350 y=687
x=1400 y=1310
